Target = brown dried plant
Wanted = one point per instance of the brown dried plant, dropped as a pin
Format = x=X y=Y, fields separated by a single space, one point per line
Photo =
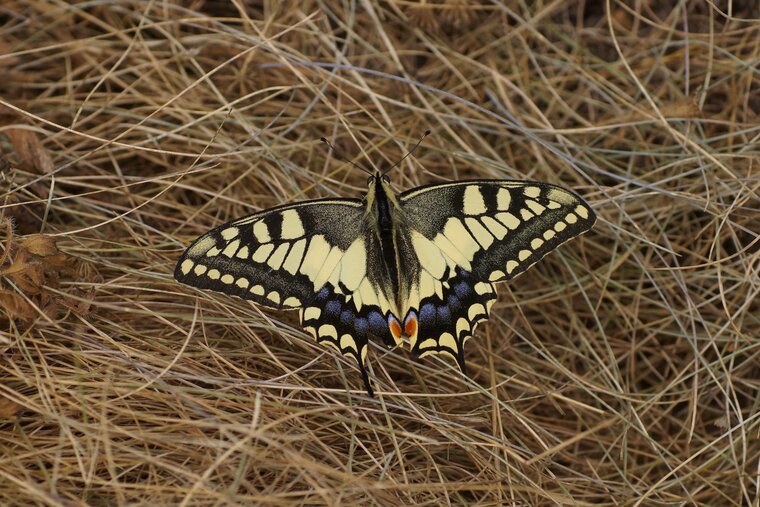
x=623 y=369
x=32 y=267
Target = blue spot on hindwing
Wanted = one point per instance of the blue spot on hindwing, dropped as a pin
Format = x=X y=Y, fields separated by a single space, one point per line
x=444 y=314
x=347 y=317
x=377 y=323
x=462 y=289
x=332 y=308
x=361 y=325
x=427 y=313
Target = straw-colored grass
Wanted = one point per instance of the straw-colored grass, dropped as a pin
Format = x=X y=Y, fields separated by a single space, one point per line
x=623 y=369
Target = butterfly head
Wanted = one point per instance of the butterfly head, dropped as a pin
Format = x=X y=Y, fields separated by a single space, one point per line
x=379 y=192
x=378 y=180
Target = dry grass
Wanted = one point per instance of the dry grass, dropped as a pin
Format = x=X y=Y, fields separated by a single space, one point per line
x=623 y=369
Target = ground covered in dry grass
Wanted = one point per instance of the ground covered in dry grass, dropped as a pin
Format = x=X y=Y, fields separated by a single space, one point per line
x=622 y=369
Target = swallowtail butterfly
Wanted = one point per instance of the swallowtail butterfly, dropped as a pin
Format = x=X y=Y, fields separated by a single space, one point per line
x=417 y=266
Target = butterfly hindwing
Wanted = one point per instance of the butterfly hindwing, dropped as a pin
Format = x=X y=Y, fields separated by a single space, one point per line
x=447 y=320
x=466 y=235
x=346 y=322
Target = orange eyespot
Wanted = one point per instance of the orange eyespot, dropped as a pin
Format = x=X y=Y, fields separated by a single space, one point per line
x=410 y=324
x=395 y=326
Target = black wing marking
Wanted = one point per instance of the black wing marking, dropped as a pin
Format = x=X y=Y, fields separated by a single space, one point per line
x=464 y=236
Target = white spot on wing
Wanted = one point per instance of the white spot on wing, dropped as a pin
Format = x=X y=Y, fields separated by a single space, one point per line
x=561 y=196
x=447 y=340
x=201 y=246
x=347 y=342
x=262 y=253
x=328 y=330
x=473 y=201
x=292 y=227
x=581 y=211
x=277 y=258
x=508 y=219
x=475 y=310
x=243 y=253
x=294 y=257
x=494 y=227
x=535 y=207
x=462 y=325
x=231 y=249
x=428 y=343
x=503 y=199
x=261 y=232
x=532 y=192
x=459 y=236
x=481 y=234
x=186 y=266
x=354 y=265
x=292 y=302
x=315 y=256
x=496 y=275
x=229 y=233
x=312 y=313
x=429 y=255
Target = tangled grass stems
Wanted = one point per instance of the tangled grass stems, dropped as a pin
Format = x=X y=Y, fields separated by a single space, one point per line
x=622 y=369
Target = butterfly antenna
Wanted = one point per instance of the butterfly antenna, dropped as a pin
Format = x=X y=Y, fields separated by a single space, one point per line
x=427 y=133
x=340 y=156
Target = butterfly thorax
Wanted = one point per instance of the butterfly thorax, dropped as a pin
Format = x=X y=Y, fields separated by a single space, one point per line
x=382 y=217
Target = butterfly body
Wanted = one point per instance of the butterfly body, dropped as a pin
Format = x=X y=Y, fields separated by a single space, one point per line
x=417 y=266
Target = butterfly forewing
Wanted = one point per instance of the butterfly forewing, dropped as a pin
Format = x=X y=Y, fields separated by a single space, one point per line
x=274 y=257
x=467 y=235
